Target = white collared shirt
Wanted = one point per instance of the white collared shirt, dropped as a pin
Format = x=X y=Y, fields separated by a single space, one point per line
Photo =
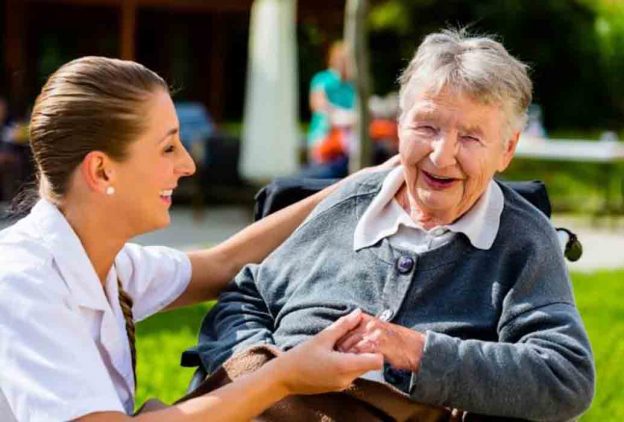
x=63 y=345
x=385 y=218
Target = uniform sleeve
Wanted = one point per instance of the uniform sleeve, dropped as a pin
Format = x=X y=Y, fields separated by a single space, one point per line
x=154 y=276
x=51 y=368
x=541 y=367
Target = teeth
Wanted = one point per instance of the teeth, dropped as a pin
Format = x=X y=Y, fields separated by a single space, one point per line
x=166 y=192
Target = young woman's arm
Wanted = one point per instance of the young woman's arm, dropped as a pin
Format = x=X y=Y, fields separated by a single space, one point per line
x=310 y=368
x=213 y=268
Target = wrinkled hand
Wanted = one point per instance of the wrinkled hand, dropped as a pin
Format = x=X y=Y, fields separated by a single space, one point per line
x=315 y=366
x=401 y=347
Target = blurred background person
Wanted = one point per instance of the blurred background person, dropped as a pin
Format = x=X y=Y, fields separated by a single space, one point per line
x=383 y=128
x=332 y=101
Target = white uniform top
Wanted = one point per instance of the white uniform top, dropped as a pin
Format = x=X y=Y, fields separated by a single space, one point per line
x=64 y=351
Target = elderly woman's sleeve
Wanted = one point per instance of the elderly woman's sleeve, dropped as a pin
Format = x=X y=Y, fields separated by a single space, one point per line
x=239 y=320
x=542 y=366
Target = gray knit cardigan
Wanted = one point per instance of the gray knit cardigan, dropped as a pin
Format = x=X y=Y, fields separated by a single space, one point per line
x=503 y=335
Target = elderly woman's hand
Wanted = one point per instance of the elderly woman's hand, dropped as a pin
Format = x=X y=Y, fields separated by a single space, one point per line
x=401 y=347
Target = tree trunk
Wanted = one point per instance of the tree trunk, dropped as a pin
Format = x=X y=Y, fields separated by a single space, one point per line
x=355 y=36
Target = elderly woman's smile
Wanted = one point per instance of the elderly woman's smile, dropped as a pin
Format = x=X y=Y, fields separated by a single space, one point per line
x=451 y=145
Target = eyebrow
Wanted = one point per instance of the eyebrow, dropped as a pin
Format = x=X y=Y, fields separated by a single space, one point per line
x=473 y=130
x=170 y=132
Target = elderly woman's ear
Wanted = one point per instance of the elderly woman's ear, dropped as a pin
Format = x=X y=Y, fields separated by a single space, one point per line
x=508 y=152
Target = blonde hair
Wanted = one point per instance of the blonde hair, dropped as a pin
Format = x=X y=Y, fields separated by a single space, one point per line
x=91 y=103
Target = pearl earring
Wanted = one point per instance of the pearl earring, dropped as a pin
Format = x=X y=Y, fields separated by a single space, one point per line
x=110 y=190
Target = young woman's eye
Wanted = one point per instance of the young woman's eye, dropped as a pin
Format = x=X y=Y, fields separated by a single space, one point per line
x=169 y=149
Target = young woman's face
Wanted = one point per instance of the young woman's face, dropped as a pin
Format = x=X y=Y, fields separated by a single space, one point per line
x=152 y=168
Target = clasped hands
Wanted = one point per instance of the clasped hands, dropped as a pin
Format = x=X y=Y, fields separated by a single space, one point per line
x=401 y=347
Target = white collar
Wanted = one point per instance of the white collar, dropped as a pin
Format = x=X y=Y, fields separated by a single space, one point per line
x=383 y=216
x=72 y=259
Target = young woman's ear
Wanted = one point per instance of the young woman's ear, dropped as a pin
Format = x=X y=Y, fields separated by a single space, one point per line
x=97 y=172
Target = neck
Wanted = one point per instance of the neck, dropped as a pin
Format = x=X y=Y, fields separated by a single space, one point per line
x=101 y=241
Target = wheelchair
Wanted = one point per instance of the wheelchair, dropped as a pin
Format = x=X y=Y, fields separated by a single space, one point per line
x=285 y=191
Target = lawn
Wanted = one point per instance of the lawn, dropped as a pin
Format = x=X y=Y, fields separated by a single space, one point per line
x=599 y=296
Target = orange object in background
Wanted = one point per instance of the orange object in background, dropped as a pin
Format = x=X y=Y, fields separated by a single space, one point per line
x=331 y=147
x=384 y=130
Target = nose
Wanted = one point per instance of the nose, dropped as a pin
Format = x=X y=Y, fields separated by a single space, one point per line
x=443 y=151
x=186 y=165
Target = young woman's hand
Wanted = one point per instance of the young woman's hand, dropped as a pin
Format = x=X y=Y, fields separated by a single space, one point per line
x=389 y=164
x=316 y=367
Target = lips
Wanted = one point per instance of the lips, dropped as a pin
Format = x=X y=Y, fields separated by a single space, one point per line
x=437 y=181
x=165 y=195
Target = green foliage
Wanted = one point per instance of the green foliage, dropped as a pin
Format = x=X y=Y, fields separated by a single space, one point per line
x=162 y=338
x=575 y=49
x=573 y=186
x=609 y=28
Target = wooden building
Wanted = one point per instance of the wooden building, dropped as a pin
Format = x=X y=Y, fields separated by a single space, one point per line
x=199 y=46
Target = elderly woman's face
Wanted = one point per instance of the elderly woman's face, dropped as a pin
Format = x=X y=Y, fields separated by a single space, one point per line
x=450 y=147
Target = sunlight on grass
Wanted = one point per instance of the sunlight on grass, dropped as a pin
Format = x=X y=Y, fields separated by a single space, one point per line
x=162 y=339
x=599 y=298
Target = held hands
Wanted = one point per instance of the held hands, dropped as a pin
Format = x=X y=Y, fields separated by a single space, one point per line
x=401 y=347
x=315 y=366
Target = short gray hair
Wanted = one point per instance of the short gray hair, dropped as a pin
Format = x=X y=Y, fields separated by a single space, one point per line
x=476 y=65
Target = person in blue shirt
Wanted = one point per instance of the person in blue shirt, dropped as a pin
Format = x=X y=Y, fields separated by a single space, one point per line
x=332 y=101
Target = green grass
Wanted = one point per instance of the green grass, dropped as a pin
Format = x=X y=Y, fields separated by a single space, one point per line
x=600 y=300
x=161 y=340
x=599 y=295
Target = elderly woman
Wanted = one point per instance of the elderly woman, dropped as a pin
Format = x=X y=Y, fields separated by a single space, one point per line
x=463 y=284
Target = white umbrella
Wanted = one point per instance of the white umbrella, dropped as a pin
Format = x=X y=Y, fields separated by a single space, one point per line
x=270 y=135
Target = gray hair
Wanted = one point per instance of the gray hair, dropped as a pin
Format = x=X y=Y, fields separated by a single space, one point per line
x=478 y=66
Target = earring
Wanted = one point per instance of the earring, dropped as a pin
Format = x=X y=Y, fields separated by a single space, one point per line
x=110 y=190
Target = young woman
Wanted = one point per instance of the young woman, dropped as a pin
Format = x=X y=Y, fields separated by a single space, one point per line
x=104 y=136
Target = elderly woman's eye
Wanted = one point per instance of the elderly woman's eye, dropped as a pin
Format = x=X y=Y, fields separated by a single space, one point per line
x=469 y=138
x=426 y=130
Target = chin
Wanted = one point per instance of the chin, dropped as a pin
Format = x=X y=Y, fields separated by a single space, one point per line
x=164 y=222
x=437 y=202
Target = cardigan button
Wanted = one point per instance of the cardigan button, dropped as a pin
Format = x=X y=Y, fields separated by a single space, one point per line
x=405 y=264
